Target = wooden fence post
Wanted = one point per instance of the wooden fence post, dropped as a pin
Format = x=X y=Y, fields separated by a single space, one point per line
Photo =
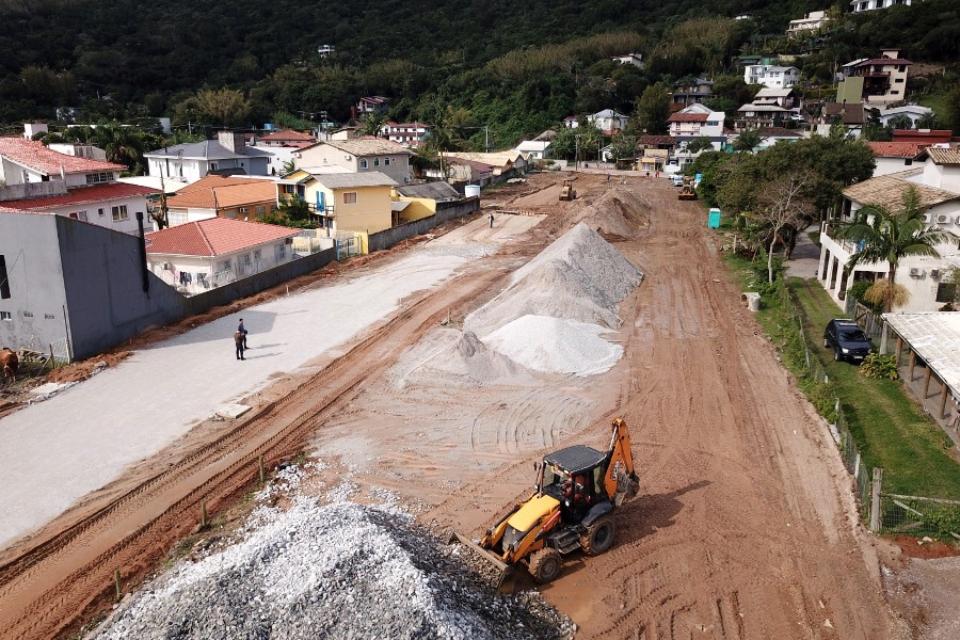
x=260 y=468
x=203 y=514
x=875 y=499
x=116 y=583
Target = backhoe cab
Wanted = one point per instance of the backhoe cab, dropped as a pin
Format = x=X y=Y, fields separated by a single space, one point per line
x=578 y=488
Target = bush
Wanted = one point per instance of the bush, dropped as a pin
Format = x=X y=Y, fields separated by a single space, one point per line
x=859 y=291
x=883 y=367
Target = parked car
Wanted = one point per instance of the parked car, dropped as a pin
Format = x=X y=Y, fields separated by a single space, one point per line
x=846 y=339
x=677 y=179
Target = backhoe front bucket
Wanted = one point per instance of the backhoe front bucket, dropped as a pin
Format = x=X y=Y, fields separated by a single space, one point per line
x=503 y=569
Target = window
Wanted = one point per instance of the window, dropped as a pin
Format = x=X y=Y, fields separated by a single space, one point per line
x=4 y=280
x=79 y=215
x=386 y=162
x=280 y=252
x=213 y=166
x=119 y=213
x=97 y=178
x=243 y=210
x=261 y=210
x=49 y=316
x=258 y=255
x=363 y=164
x=6 y=315
x=223 y=266
x=245 y=260
x=946 y=292
x=350 y=197
x=100 y=212
x=908 y=161
x=28 y=314
x=376 y=162
x=202 y=280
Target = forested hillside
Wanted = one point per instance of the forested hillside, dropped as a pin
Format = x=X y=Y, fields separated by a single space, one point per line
x=516 y=67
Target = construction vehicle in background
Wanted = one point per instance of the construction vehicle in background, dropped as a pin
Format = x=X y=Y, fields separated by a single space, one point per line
x=687 y=192
x=577 y=491
x=567 y=192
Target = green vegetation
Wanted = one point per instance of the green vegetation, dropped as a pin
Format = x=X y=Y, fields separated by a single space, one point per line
x=888 y=427
x=517 y=69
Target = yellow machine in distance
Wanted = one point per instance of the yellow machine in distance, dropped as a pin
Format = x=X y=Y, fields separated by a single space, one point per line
x=578 y=488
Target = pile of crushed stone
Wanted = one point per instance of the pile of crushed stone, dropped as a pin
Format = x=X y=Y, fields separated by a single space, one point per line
x=619 y=213
x=449 y=357
x=580 y=276
x=554 y=345
x=339 y=570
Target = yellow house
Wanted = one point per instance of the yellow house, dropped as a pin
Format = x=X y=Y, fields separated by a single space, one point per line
x=343 y=202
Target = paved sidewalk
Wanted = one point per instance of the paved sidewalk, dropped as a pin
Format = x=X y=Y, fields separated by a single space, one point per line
x=806 y=257
x=59 y=450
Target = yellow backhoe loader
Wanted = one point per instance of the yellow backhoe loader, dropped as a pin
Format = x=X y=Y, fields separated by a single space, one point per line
x=567 y=190
x=578 y=488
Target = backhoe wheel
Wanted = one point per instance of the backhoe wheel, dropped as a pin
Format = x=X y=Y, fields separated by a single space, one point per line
x=545 y=564
x=598 y=537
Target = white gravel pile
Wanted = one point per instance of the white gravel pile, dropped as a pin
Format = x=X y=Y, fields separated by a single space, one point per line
x=619 y=212
x=580 y=276
x=449 y=357
x=338 y=570
x=554 y=345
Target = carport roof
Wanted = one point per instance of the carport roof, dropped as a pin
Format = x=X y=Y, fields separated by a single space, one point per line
x=935 y=337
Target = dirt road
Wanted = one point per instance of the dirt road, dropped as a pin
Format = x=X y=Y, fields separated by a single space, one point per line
x=744 y=527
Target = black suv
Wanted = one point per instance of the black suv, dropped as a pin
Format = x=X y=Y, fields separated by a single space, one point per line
x=846 y=339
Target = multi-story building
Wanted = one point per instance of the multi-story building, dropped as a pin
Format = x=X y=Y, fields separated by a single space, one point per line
x=227 y=155
x=408 y=134
x=872 y=5
x=343 y=202
x=935 y=175
x=695 y=122
x=234 y=197
x=813 y=21
x=692 y=91
x=608 y=121
x=357 y=155
x=875 y=81
x=38 y=179
x=772 y=76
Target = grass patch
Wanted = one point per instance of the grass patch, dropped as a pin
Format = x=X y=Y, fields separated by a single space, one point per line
x=890 y=430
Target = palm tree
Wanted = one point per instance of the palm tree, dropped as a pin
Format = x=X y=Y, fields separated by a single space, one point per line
x=890 y=234
x=124 y=145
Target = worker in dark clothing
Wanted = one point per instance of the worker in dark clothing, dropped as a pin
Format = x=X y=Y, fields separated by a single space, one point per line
x=238 y=342
x=243 y=330
x=491 y=220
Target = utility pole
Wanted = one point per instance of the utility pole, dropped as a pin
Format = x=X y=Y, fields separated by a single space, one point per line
x=576 y=153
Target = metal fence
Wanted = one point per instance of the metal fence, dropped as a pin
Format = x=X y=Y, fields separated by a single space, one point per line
x=886 y=512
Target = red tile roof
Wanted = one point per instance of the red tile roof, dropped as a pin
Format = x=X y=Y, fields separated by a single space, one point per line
x=688 y=117
x=896 y=149
x=84 y=195
x=35 y=155
x=288 y=135
x=873 y=61
x=928 y=136
x=214 y=237
x=654 y=139
x=221 y=192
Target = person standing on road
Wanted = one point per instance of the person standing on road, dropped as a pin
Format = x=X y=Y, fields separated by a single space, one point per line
x=243 y=330
x=238 y=342
x=491 y=220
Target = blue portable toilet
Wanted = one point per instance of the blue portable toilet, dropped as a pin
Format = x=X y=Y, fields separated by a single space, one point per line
x=713 y=218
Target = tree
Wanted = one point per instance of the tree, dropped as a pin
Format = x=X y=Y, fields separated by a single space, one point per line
x=288 y=167
x=372 y=124
x=782 y=203
x=748 y=140
x=888 y=235
x=653 y=109
x=224 y=107
x=699 y=144
x=623 y=147
x=123 y=145
x=901 y=121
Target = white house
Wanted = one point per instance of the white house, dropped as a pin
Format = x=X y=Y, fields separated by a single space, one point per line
x=894 y=157
x=937 y=182
x=228 y=154
x=534 y=149
x=871 y=5
x=875 y=81
x=694 y=122
x=199 y=256
x=40 y=180
x=636 y=59
x=608 y=121
x=915 y=112
x=357 y=155
x=772 y=76
x=813 y=21
x=407 y=134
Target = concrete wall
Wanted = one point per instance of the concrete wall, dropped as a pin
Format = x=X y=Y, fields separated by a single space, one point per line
x=445 y=211
x=32 y=190
x=35 y=275
x=102 y=279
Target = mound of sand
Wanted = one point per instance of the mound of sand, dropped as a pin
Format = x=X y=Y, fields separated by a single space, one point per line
x=580 y=277
x=449 y=357
x=553 y=345
x=618 y=213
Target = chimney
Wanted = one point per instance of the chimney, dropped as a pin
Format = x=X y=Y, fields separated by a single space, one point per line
x=232 y=140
